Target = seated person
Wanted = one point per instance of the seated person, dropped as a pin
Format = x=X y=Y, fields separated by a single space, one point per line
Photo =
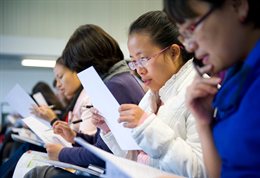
x=225 y=36
x=162 y=125
x=67 y=82
x=49 y=96
x=92 y=46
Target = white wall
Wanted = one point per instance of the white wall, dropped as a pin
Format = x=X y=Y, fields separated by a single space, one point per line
x=55 y=20
x=11 y=73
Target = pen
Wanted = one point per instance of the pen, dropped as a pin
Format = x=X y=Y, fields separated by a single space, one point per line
x=89 y=106
x=80 y=120
x=203 y=75
x=196 y=66
x=77 y=121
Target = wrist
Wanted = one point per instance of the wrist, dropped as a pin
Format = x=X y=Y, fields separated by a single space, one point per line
x=105 y=130
x=53 y=121
x=143 y=118
x=74 y=133
x=202 y=128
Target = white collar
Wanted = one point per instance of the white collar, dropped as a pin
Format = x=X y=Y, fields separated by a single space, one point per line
x=175 y=84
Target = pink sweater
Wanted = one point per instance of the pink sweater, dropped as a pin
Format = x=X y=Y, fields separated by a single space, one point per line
x=81 y=112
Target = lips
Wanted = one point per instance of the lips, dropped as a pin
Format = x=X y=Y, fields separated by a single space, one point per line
x=62 y=90
x=204 y=58
x=146 y=81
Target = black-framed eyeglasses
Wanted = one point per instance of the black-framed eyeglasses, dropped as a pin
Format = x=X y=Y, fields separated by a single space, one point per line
x=188 y=31
x=142 y=62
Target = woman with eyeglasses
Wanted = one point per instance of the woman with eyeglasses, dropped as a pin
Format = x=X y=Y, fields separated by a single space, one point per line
x=162 y=125
x=225 y=35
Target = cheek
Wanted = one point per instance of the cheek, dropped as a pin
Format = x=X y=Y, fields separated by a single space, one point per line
x=220 y=42
x=65 y=83
x=160 y=75
x=206 y=43
x=153 y=69
x=223 y=55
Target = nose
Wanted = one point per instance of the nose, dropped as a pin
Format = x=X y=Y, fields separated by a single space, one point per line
x=190 y=45
x=58 y=83
x=141 y=70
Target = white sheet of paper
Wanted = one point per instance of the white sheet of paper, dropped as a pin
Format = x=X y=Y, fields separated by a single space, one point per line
x=22 y=139
x=31 y=159
x=26 y=135
x=107 y=105
x=21 y=101
x=40 y=99
x=44 y=132
x=120 y=167
x=28 y=161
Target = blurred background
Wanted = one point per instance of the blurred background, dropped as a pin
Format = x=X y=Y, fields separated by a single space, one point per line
x=39 y=29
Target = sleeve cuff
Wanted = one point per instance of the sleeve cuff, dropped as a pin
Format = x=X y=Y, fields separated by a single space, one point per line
x=143 y=118
x=53 y=121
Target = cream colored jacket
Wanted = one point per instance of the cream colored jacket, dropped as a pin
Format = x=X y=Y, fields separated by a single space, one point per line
x=170 y=137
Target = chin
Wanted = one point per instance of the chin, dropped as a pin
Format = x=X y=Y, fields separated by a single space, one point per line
x=154 y=89
x=215 y=70
x=218 y=73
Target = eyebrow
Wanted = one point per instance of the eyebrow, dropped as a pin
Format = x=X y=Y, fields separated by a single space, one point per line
x=136 y=54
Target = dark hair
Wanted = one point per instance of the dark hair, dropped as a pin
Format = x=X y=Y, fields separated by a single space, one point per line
x=161 y=30
x=179 y=10
x=89 y=46
x=60 y=61
x=48 y=94
x=54 y=83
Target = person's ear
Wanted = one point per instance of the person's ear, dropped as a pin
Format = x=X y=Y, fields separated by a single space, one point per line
x=242 y=8
x=75 y=75
x=175 y=51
